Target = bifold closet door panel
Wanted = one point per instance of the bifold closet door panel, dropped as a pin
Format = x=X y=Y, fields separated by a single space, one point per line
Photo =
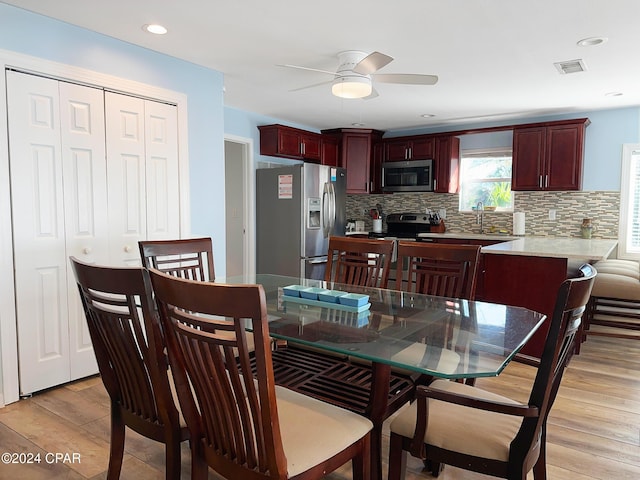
x=37 y=210
x=126 y=177
x=85 y=201
x=162 y=177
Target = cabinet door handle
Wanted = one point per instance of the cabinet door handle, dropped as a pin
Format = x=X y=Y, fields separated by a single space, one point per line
x=540 y=181
x=410 y=153
x=546 y=181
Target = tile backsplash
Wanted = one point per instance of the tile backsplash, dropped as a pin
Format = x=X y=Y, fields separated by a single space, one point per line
x=603 y=208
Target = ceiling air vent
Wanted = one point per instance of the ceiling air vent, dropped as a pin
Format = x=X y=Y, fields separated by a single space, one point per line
x=571 y=66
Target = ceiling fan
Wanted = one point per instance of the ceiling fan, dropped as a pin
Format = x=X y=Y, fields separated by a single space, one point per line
x=356 y=70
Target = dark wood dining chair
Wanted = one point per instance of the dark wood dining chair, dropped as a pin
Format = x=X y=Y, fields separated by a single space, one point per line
x=359 y=261
x=126 y=337
x=190 y=258
x=247 y=427
x=464 y=426
x=445 y=270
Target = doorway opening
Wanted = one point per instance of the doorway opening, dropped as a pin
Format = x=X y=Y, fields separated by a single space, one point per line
x=239 y=206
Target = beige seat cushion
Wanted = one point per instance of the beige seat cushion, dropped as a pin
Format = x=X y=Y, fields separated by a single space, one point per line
x=611 y=285
x=313 y=431
x=463 y=429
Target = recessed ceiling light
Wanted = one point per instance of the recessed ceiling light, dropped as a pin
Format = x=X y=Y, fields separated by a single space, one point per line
x=613 y=94
x=592 y=41
x=154 y=28
x=427 y=115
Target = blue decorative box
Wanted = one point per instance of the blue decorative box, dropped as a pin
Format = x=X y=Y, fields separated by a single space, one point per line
x=353 y=299
x=330 y=296
x=311 y=293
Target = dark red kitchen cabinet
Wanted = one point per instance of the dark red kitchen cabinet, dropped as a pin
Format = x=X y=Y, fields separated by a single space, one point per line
x=412 y=148
x=282 y=141
x=548 y=156
x=446 y=164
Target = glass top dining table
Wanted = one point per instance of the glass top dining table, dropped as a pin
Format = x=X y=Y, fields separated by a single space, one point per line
x=436 y=336
x=402 y=336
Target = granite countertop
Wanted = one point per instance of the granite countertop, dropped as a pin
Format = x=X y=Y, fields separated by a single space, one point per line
x=561 y=247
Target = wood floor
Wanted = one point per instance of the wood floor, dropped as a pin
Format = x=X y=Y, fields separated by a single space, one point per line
x=594 y=427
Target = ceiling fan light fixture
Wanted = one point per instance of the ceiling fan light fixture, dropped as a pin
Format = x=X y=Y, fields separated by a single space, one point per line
x=351 y=87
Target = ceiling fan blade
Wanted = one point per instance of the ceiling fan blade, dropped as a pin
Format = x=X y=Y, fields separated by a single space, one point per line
x=306 y=68
x=311 y=86
x=406 y=78
x=372 y=62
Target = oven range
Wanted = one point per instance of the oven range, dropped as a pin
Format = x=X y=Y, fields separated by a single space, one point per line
x=405 y=226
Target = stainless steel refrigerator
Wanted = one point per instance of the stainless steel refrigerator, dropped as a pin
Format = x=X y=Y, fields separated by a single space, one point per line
x=297 y=208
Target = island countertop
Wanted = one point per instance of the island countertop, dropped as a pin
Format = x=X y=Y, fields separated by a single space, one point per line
x=559 y=247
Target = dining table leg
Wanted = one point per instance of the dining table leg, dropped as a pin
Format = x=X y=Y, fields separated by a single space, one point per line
x=377 y=409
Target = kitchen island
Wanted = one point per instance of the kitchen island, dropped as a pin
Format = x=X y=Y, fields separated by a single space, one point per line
x=528 y=271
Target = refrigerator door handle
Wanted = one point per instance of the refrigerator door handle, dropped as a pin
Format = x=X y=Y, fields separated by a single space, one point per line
x=333 y=206
x=326 y=209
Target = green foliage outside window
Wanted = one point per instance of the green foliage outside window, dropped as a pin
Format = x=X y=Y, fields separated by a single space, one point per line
x=486 y=179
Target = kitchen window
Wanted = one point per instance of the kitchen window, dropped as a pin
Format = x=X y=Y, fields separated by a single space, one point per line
x=629 y=232
x=485 y=176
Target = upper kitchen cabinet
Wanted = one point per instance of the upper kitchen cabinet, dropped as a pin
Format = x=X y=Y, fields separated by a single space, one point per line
x=330 y=149
x=549 y=156
x=446 y=164
x=356 y=156
x=282 y=141
x=412 y=148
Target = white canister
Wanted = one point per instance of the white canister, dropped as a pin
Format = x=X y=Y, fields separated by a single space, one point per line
x=359 y=225
x=518 y=223
x=377 y=225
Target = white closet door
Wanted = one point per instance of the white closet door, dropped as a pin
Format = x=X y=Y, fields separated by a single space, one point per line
x=126 y=177
x=39 y=231
x=85 y=200
x=163 y=194
x=59 y=205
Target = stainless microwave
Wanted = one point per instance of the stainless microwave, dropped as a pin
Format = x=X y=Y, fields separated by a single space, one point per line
x=409 y=176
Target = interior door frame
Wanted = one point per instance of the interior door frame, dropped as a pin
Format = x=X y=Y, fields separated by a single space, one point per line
x=249 y=213
x=9 y=392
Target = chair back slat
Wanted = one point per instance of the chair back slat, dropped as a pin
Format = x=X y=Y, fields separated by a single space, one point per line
x=359 y=261
x=446 y=270
x=235 y=415
x=190 y=258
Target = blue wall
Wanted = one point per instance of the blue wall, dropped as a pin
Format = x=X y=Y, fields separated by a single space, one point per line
x=42 y=37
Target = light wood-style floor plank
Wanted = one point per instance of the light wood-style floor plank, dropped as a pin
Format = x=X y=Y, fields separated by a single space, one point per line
x=593 y=429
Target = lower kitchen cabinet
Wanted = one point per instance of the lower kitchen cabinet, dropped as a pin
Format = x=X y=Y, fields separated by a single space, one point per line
x=525 y=281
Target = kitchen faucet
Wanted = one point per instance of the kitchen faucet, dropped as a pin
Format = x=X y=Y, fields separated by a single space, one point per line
x=480 y=216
